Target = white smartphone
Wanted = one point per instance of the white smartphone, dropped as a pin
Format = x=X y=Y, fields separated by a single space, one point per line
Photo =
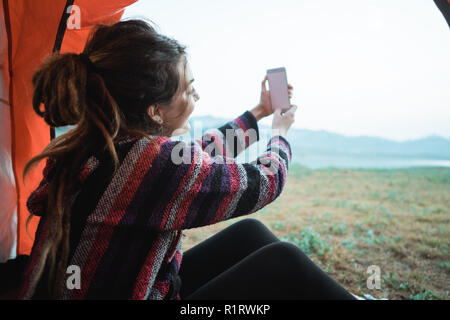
x=278 y=88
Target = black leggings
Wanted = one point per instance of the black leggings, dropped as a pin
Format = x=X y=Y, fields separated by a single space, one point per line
x=247 y=261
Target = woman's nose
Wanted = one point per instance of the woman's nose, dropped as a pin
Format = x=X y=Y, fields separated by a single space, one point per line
x=196 y=96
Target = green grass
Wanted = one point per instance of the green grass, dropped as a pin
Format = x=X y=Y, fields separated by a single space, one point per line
x=348 y=220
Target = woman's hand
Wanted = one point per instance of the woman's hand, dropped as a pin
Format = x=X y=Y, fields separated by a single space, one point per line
x=282 y=121
x=264 y=108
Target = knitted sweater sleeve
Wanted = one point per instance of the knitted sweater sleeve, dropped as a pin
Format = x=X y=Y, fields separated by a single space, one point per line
x=232 y=138
x=215 y=188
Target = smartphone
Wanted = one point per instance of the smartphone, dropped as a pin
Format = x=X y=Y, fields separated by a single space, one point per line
x=278 y=87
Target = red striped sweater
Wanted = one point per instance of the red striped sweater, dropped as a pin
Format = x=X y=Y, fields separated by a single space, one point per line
x=125 y=235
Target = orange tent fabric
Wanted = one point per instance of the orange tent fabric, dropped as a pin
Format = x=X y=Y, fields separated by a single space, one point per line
x=31 y=28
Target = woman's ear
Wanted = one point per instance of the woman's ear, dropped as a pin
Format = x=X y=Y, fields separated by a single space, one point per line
x=155 y=113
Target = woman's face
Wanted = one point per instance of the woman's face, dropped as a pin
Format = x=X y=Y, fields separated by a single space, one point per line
x=175 y=116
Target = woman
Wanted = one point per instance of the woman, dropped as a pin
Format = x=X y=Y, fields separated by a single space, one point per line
x=115 y=197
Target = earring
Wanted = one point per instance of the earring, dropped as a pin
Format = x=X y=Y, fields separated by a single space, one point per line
x=157 y=119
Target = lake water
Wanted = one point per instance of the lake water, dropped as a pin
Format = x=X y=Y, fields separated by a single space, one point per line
x=351 y=161
x=340 y=161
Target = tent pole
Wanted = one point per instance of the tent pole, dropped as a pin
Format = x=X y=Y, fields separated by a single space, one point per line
x=58 y=41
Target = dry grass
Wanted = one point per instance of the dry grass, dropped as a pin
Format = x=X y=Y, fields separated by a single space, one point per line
x=347 y=220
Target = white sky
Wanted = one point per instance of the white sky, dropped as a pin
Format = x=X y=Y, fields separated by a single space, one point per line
x=358 y=67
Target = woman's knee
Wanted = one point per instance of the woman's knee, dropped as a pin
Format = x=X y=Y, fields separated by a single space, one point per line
x=251 y=225
x=286 y=252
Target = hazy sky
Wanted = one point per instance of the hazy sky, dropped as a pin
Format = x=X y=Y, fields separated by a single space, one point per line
x=358 y=67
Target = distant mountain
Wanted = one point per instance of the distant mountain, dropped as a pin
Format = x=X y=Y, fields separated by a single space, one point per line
x=326 y=142
x=317 y=149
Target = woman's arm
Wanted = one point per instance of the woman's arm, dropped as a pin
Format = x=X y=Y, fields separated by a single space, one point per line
x=232 y=138
x=258 y=112
x=207 y=189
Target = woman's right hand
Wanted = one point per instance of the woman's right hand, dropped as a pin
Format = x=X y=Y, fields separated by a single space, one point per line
x=282 y=121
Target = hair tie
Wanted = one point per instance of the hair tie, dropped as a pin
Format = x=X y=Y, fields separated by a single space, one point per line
x=90 y=66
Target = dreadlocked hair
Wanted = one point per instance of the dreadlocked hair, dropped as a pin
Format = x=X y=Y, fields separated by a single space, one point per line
x=134 y=67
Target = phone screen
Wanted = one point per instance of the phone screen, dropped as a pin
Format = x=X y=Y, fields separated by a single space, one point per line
x=278 y=88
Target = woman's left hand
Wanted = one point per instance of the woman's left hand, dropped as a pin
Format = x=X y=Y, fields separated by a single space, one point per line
x=265 y=105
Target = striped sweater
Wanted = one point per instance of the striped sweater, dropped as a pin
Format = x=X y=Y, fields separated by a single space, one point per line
x=125 y=236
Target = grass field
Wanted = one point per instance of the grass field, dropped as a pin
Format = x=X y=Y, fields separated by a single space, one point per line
x=348 y=220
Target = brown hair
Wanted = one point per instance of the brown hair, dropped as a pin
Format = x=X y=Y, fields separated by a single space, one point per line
x=130 y=67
